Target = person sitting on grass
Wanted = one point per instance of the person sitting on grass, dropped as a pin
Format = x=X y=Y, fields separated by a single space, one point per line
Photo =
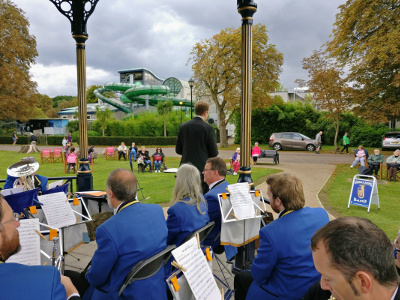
x=361 y=156
x=374 y=162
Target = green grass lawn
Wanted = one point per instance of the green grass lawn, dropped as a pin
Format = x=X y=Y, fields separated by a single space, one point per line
x=335 y=197
x=157 y=186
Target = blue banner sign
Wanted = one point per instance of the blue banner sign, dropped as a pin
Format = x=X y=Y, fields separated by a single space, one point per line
x=364 y=191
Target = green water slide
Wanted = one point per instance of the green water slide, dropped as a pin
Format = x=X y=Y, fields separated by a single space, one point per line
x=138 y=93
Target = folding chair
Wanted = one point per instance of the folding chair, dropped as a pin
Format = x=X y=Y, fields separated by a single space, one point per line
x=46 y=156
x=110 y=153
x=162 y=164
x=148 y=267
x=203 y=232
x=387 y=174
x=58 y=155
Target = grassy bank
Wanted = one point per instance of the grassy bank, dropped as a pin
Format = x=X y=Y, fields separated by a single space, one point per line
x=157 y=186
x=335 y=196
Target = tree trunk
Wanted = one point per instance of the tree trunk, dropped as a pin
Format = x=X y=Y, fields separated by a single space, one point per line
x=102 y=128
x=336 y=124
x=222 y=129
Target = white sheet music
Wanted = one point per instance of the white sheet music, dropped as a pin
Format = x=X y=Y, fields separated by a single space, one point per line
x=30 y=243
x=16 y=190
x=198 y=273
x=57 y=210
x=55 y=184
x=243 y=206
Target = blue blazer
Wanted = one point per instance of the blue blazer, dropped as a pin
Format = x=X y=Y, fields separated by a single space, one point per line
x=214 y=212
x=30 y=282
x=10 y=182
x=184 y=219
x=136 y=232
x=284 y=266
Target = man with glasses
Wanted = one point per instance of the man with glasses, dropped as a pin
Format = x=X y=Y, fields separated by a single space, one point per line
x=283 y=266
x=38 y=282
x=196 y=140
x=214 y=175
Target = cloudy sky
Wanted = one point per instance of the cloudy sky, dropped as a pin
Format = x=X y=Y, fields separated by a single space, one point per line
x=159 y=35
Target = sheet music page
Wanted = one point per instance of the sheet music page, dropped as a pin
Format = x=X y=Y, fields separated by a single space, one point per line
x=30 y=243
x=198 y=273
x=16 y=190
x=243 y=206
x=57 y=210
x=55 y=184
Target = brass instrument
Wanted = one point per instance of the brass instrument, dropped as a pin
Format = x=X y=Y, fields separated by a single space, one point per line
x=24 y=170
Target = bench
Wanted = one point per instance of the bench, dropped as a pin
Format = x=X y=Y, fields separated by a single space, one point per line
x=270 y=154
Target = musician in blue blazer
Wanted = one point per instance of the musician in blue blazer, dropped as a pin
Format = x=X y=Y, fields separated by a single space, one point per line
x=189 y=209
x=38 y=282
x=136 y=232
x=284 y=266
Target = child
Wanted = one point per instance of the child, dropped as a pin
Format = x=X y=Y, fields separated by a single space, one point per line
x=71 y=159
x=64 y=142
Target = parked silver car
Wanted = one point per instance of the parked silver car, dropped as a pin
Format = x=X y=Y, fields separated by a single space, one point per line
x=391 y=140
x=291 y=140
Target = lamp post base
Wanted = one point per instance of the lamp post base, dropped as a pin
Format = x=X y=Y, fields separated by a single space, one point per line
x=84 y=182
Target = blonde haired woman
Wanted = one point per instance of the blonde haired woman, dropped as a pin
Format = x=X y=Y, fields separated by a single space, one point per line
x=188 y=211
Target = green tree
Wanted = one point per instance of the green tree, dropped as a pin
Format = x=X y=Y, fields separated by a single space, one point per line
x=59 y=99
x=164 y=108
x=103 y=116
x=217 y=71
x=90 y=96
x=44 y=103
x=17 y=54
x=329 y=87
x=366 y=38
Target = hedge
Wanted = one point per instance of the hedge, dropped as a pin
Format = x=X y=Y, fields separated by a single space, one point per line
x=22 y=140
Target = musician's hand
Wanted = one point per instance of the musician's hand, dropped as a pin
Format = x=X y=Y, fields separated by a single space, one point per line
x=69 y=287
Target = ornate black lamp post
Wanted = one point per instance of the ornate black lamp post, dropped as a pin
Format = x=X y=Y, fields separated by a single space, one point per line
x=246 y=8
x=180 y=108
x=78 y=12
x=191 y=83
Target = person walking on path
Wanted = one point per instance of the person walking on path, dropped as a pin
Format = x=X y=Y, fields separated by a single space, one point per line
x=346 y=143
x=318 y=141
x=196 y=140
x=14 y=137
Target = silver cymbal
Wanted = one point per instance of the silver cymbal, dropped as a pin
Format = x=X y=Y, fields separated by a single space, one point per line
x=23 y=168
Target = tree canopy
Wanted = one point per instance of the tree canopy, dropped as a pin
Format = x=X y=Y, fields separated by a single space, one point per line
x=17 y=54
x=90 y=96
x=217 y=71
x=329 y=86
x=366 y=38
x=103 y=116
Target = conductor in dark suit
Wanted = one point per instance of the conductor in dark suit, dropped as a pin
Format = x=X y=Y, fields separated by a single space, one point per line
x=37 y=282
x=196 y=140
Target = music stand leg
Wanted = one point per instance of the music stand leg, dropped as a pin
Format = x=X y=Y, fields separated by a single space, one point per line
x=244 y=258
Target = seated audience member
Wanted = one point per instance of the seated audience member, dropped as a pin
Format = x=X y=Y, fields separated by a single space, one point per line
x=158 y=157
x=188 y=211
x=90 y=153
x=361 y=155
x=38 y=282
x=136 y=232
x=122 y=151
x=255 y=153
x=214 y=175
x=72 y=158
x=283 y=266
x=236 y=161
x=144 y=154
x=393 y=163
x=374 y=162
x=355 y=260
x=28 y=181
